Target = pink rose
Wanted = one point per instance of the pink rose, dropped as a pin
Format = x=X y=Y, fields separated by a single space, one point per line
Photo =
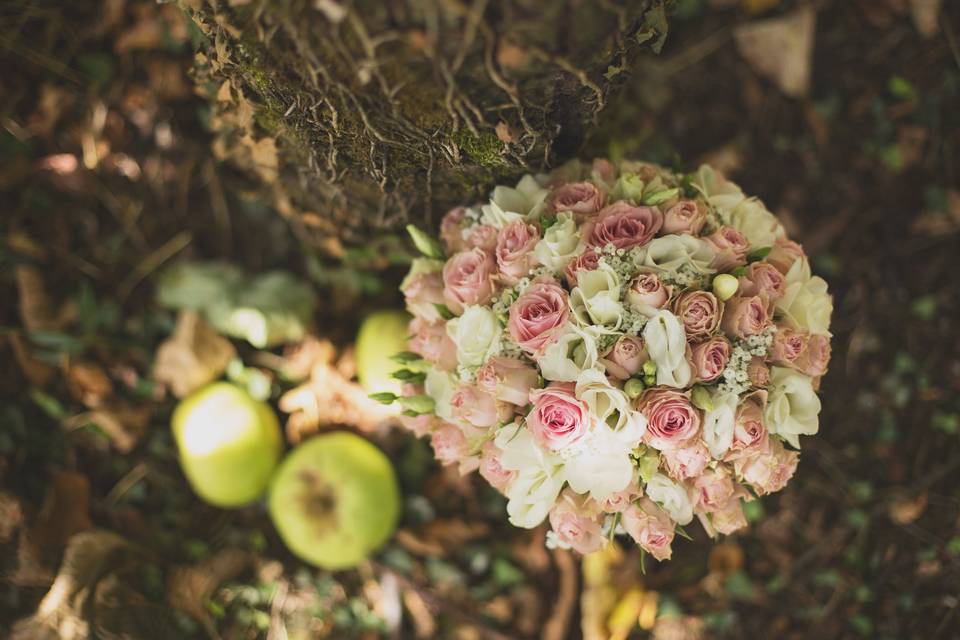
x=508 y=379
x=728 y=518
x=816 y=357
x=762 y=279
x=686 y=462
x=758 y=372
x=449 y=444
x=589 y=260
x=787 y=347
x=650 y=527
x=482 y=236
x=473 y=406
x=420 y=425
x=730 y=246
x=421 y=293
x=712 y=490
x=582 y=198
x=602 y=169
x=451 y=230
x=784 y=253
x=749 y=431
x=491 y=470
x=539 y=316
x=620 y=501
x=745 y=316
x=699 y=311
x=647 y=290
x=671 y=420
x=514 y=250
x=468 y=279
x=432 y=343
x=710 y=358
x=558 y=419
x=575 y=524
x=684 y=217
x=625 y=226
x=626 y=357
x=769 y=470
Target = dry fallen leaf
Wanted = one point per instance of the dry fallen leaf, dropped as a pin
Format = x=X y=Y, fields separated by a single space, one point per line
x=905 y=510
x=65 y=512
x=781 y=49
x=124 y=423
x=36 y=308
x=88 y=383
x=926 y=15
x=11 y=517
x=189 y=589
x=193 y=356
x=37 y=373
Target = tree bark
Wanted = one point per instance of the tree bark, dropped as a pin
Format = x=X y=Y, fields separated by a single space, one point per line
x=367 y=113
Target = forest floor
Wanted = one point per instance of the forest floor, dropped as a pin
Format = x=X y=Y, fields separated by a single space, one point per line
x=107 y=175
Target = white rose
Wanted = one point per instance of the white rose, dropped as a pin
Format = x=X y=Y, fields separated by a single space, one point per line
x=596 y=298
x=440 y=385
x=574 y=351
x=672 y=252
x=507 y=205
x=792 y=405
x=533 y=492
x=607 y=402
x=719 y=423
x=560 y=244
x=672 y=496
x=477 y=335
x=718 y=191
x=806 y=305
x=600 y=464
x=666 y=343
x=760 y=227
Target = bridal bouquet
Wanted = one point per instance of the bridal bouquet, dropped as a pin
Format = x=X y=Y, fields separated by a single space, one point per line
x=618 y=349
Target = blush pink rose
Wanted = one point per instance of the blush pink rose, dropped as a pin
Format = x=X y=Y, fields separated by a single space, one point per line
x=539 y=316
x=449 y=444
x=582 y=198
x=787 y=347
x=650 y=527
x=625 y=226
x=731 y=248
x=784 y=253
x=750 y=433
x=422 y=293
x=745 y=316
x=451 y=230
x=700 y=312
x=432 y=343
x=686 y=462
x=762 y=279
x=468 y=279
x=672 y=421
x=710 y=358
x=482 y=236
x=626 y=357
x=728 y=518
x=589 y=260
x=647 y=290
x=491 y=470
x=575 y=524
x=420 y=425
x=558 y=419
x=604 y=170
x=620 y=501
x=684 y=217
x=477 y=408
x=514 y=250
x=816 y=357
x=712 y=490
x=758 y=372
x=770 y=470
x=508 y=379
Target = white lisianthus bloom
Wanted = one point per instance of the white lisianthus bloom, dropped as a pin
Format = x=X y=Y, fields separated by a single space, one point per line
x=533 y=492
x=760 y=227
x=574 y=351
x=560 y=244
x=720 y=192
x=600 y=464
x=596 y=298
x=666 y=343
x=608 y=403
x=672 y=496
x=440 y=385
x=719 y=423
x=670 y=253
x=806 y=305
x=477 y=335
x=526 y=201
x=792 y=405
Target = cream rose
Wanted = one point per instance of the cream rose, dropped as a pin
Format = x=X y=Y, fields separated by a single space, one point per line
x=760 y=227
x=596 y=298
x=805 y=304
x=477 y=335
x=792 y=406
x=560 y=244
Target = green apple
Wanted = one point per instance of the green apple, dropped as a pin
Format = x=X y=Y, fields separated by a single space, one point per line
x=334 y=500
x=229 y=444
x=382 y=335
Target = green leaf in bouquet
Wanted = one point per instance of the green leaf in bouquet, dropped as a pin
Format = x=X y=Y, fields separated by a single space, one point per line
x=424 y=243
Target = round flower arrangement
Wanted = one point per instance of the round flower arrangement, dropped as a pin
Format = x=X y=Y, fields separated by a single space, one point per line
x=617 y=349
